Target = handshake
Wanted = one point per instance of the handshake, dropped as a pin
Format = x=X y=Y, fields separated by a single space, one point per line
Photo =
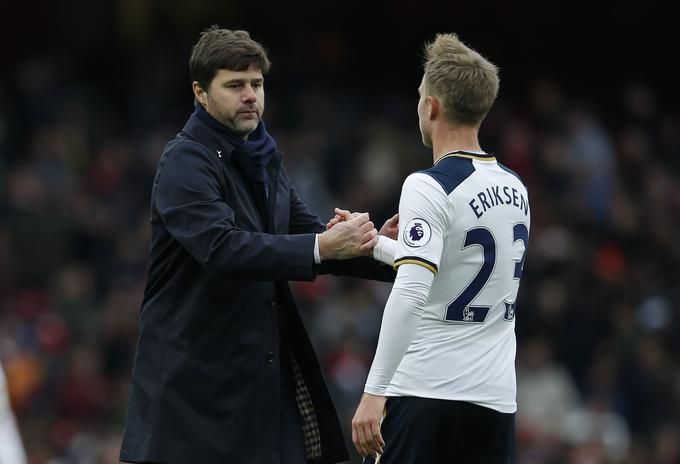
x=349 y=235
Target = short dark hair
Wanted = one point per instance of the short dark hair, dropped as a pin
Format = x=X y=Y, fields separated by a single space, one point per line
x=224 y=49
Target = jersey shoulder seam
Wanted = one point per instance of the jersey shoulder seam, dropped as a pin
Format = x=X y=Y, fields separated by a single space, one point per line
x=450 y=172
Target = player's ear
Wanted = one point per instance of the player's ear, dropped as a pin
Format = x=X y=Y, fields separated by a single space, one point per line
x=435 y=107
x=199 y=93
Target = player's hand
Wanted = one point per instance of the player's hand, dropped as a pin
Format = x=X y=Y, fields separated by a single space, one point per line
x=391 y=227
x=349 y=238
x=366 y=434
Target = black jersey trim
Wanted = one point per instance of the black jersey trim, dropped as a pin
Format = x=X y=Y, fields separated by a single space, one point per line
x=450 y=172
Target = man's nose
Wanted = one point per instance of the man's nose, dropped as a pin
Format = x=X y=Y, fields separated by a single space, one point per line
x=249 y=94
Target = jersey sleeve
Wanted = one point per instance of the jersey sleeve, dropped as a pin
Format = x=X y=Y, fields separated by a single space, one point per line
x=422 y=222
x=403 y=312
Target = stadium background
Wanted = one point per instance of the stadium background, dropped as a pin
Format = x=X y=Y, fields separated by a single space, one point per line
x=587 y=114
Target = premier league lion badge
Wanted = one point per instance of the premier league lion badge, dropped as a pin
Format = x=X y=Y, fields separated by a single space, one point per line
x=417 y=233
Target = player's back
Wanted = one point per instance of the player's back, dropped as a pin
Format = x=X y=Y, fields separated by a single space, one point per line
x=464 y=348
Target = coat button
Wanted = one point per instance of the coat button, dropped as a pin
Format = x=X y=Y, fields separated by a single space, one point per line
x=269 y=357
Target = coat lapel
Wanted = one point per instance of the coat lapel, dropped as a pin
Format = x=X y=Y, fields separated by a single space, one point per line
x=273 y=171
x=242 y=164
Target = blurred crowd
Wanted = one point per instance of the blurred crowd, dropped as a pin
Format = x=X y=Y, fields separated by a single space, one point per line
x=598 y=319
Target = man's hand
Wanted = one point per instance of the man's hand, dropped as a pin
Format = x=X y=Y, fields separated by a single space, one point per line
x=340 y=215
x=353 y=237
x=366 y=425
x=391 y=227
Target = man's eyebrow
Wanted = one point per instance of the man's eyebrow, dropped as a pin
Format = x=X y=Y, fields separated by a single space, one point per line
x=243 y=80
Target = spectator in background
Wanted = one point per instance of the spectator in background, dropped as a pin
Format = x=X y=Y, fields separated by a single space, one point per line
x=546 y=393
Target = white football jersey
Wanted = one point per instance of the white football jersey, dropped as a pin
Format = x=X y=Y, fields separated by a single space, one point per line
x=466 y=219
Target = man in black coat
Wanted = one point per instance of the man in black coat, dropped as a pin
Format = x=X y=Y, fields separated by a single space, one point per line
x=224 y=371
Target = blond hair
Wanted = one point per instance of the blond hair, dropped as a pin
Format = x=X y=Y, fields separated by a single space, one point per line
x=464 y=81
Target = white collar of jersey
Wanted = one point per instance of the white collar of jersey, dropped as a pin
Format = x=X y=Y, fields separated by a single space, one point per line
x=475 y=155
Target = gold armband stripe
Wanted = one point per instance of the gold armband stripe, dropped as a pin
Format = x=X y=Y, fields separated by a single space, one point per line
x=416 y=260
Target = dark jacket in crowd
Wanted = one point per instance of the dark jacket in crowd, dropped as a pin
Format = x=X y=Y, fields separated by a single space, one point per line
x=217 y=305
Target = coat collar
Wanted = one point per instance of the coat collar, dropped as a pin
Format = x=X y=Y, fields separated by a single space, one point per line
x=197 y=130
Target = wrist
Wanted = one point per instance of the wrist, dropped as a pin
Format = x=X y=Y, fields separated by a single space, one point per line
x=374 y=390
x=317 y=256
x=377 y=249
x=323 y=245
x=385 y=250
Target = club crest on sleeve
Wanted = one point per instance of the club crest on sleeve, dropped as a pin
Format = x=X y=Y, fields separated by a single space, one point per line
x=417 y=233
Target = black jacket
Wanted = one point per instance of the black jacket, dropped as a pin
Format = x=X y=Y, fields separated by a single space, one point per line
x=206 y=378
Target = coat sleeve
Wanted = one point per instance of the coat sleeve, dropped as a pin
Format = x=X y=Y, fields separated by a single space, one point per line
x=302 y=221
x=190 y=203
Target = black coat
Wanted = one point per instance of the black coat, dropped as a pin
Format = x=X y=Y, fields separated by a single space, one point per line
x=206 y=378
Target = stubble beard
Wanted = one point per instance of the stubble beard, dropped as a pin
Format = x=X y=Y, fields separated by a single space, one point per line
x=241 y=127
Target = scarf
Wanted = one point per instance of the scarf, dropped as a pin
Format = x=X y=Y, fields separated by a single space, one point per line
x=259 y=147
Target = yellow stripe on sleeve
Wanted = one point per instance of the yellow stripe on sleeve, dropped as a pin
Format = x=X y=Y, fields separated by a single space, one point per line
x=413 y=260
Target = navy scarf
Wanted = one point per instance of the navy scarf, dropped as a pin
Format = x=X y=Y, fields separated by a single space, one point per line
x=259 y=147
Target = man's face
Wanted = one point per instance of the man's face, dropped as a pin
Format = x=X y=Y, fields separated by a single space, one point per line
x=424 y=115
x=236 y=99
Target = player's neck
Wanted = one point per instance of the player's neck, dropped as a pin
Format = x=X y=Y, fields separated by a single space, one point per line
x=449 y=139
